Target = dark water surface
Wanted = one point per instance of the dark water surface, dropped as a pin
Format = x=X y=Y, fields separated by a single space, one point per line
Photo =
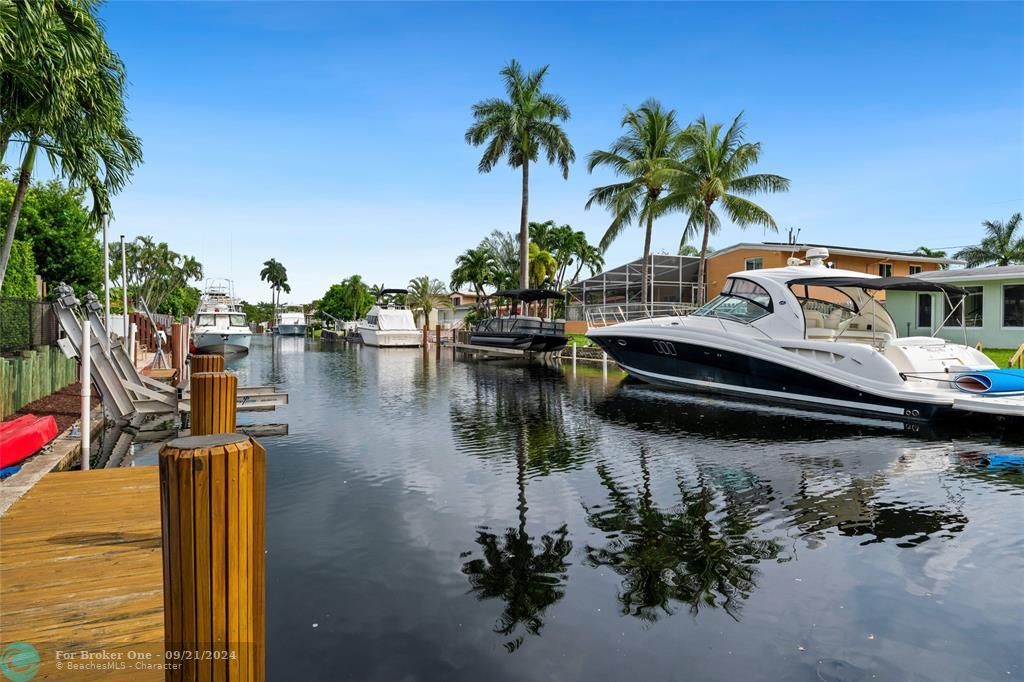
x=438 y=520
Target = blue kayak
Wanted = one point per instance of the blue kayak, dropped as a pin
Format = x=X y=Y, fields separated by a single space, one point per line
x=991 y=381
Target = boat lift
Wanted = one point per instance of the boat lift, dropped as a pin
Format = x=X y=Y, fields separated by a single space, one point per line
x=130 y=397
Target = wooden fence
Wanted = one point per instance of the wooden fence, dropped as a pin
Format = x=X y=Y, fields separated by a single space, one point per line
x=147 y=337
x=31 y=375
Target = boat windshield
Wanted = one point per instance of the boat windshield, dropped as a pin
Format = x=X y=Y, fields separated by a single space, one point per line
x=210 y=320
x=741 y=301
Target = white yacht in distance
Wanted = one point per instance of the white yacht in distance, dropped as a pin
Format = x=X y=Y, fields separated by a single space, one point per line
x=220 y=325
x=389 y=324
x=815 y=336
x=290 y=324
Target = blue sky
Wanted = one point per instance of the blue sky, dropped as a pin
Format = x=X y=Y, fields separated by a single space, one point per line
x=330 y=136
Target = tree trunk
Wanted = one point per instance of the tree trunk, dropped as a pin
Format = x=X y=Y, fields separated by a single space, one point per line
x=644 y=271
x=701 y=286
x=19 y=200
x=524 y=231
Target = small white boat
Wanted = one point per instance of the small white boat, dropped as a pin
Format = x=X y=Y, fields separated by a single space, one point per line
x=220 y=325
x=389 y=324
x=815 y=336
x=290 y=324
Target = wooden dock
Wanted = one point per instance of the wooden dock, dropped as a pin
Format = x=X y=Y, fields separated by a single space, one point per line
x=81 y=571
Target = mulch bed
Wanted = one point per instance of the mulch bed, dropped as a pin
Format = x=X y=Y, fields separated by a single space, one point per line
x=65 y=405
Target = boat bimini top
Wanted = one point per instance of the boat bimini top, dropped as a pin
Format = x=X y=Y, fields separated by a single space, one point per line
x=528 y=295
x=815 y=302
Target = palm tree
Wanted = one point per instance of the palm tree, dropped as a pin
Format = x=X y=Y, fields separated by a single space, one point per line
x=505 y=251
x=714 y=170
x=643 y=155
x=425 y=294
x=589 y=257
x=517 y=129
x=999 y=246
x=543 y=266
x=475 y=267
x=930 y=253
x=276 y=276
x=62 y=91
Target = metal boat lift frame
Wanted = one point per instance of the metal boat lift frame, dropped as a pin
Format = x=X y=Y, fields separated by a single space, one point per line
x=130 y=397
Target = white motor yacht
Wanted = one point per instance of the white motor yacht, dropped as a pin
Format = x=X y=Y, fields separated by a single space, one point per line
x=389 y=324
x=290 y=324
x=220 y=325
x=814 y=336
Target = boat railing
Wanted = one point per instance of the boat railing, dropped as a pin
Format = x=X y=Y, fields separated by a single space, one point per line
x=521 y=325
x=605 y=315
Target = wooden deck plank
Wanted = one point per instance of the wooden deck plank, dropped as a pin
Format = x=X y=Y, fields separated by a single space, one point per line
x=80 y=570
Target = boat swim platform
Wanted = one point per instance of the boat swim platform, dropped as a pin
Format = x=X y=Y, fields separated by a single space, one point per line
x=81 y=571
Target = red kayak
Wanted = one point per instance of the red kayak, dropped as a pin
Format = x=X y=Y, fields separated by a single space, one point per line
x=24 y=436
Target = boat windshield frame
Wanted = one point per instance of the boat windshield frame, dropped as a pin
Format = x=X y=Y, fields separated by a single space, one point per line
x=730 y=293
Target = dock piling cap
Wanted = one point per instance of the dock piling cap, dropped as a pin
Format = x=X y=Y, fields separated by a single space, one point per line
x=211 y=441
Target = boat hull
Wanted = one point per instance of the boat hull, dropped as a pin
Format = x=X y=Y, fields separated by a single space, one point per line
x=25 y=436
x=705 y=368
x=221 y=343
x=290 y=330
x=538 y=343
x=390 y=338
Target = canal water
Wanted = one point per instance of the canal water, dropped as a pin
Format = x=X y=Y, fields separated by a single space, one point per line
x=431 y=519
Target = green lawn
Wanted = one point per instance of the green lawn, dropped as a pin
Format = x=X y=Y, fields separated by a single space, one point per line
x=1000 y=356
x=580 y=340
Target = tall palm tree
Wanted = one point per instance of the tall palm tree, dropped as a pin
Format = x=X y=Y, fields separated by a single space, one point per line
x=1001 y=244
x=475 y=267
x=714 y=171
x=62 y=92
x=643 y=155
x=425 y=295
x=518 y=129
x=276 y=275
x=590 y=257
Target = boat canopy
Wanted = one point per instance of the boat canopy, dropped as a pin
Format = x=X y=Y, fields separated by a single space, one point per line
x=529 y=295
x=386 y=292
x=880 y=284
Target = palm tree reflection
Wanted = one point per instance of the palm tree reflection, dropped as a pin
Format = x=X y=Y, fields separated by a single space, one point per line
x=528 y=578
x=700 y=553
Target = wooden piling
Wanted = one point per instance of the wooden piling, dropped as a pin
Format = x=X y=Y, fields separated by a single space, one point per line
x=207 y=363
x=437 y=335
x=426 y=334
x=213 y=402
x=212 y=511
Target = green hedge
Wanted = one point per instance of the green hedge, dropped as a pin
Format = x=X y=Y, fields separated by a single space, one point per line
x=20 y=280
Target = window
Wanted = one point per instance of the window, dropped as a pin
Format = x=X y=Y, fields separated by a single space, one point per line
x=969 y=313
x=238 y=320
x=456 y=300
x=915 y=269
x=753 y=264
x=204 y=321
x=1013 y=305
x=924 y=311
x=885 y=269
x=741 y=301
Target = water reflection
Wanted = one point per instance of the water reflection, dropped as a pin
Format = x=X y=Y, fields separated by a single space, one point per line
x=524 y=410
x=857 y=509
x=701 y=552
x=527 y=420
